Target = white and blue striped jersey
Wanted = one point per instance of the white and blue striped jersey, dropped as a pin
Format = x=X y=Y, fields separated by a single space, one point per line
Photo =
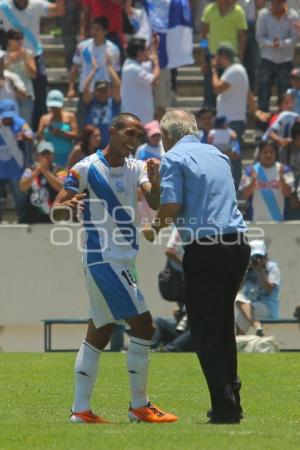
x=110 y=212
x=26 y=20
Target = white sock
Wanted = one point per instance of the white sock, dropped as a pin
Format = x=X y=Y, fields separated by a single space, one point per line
x=86 y=369
x=138 y=364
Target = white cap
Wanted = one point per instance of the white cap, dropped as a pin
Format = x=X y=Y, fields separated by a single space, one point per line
x=45 y=146
x=258 y=247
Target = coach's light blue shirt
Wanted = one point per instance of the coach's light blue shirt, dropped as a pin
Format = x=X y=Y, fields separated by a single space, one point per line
x=198 y=176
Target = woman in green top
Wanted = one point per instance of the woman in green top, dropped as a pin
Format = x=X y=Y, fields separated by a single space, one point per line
x=58 y=127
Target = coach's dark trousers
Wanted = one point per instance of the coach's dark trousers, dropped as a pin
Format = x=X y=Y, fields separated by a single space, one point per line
x=213 y=275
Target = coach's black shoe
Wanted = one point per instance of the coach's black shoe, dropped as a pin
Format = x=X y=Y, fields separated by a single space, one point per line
x=209 y=414
x=223 y=421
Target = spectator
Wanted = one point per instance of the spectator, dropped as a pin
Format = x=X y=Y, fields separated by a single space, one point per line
x=277 y=39
x=172 y=23
x=111 y=10
x=152 y=148
x=58 y=127
x=102 y=105
x=232 y=89
x=89 y=53
x=259 y=296
x=223 y=137
x=295 y=90
x=139 y=21
x=11 y=85
x=14 y=133
x=25 y=15
x=265 y=120
x=139 y=73
x=280 y=130
x=21 y=61
x=70 y=27
x=267 y=185
x=88 y=144
x=41 y=183
x=290 y=156
x=222 y=20
x=205 y=121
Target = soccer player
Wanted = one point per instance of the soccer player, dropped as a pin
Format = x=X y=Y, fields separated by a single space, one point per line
x=109 y=218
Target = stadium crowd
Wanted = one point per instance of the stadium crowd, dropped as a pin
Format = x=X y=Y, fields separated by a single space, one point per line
x=123 y=55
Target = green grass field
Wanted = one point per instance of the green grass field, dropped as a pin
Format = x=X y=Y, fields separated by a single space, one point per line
x=36 y=395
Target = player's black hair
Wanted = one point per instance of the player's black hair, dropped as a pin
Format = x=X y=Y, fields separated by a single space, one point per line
x=118 y=121
x=135 y=45
x=102 y=21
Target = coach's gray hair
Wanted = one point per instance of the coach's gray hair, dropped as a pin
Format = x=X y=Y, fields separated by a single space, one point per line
x=179 y=123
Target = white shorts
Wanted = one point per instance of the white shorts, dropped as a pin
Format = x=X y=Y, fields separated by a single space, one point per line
x=113 y=293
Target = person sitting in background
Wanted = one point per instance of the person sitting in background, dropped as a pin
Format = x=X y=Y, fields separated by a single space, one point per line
x=259 y=296
x=41 y=183
x=152 y=148
x=88 y=144
x=173 y=335
x=21 y=61
x=103 y=104
x=266 y=185
x=11 y=85
x=58 y=127
x=205 y=121
x=14 y=134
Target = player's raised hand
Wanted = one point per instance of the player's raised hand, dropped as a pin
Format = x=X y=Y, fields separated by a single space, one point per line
x=153 y=170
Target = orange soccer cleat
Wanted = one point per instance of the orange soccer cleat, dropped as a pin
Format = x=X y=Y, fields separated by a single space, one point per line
x=150 y=413
x=87 y=417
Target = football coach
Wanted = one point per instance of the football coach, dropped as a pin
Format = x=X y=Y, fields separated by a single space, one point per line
x=198 y=194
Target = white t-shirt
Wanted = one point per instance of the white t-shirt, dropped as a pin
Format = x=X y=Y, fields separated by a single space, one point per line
x=232 y=102
x=136 y=89
x=221 y=138
x=26 y=20
x=110 y=215
x=87 y=51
